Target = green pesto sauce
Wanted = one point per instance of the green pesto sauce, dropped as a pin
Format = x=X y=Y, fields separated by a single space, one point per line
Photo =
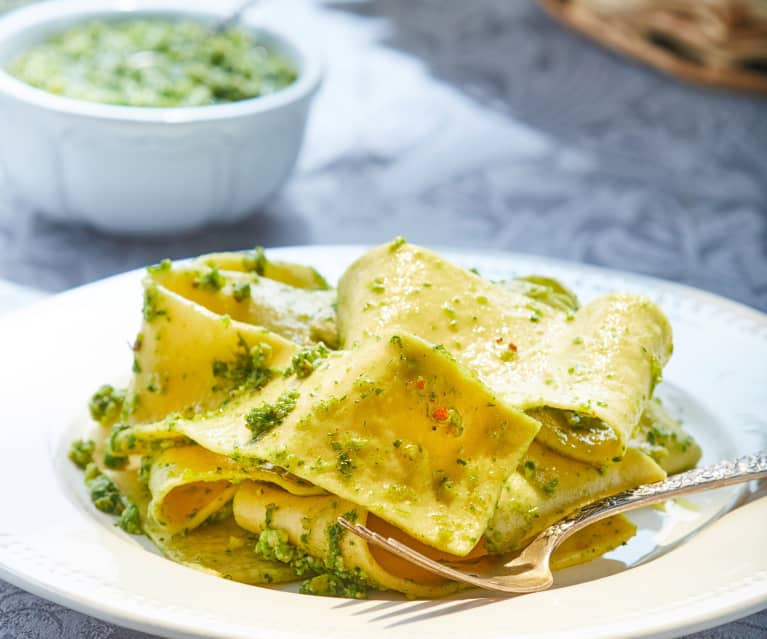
x=548 y=291
x=211 y=280
x=106 y=404
x=328 y=576
x=344 y=464
x=108 y=499
x=102 y=490
x=150 y=310
x=661 y=441
x=130 y=520
x=117 y=429
x=273 y=544
x=247 y=370
x=543 y=478
x=255 y=261
x=582 y=423
x=81 y=452
x=154 y=63
x=303 y=364
x=162 y=266
x=295 y=275
x=266 y=416
x=115 y=461
x=331 y=585
x=241 y=292
x=396 y=243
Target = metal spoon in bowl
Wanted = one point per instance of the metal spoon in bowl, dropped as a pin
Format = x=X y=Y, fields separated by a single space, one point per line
x=144 y=59
x=233 y=18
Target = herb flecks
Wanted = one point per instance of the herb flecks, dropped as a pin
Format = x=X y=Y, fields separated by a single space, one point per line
x=376 y=285
x=119 y=442
x=263 y=418
x=256 y=261
x=210 y=280
x=241 y=291
x=130 y=520
x=108 y=499
x=151 y=309
x=248 y=370
x=344 y=464
x=274 y=544
x=104 y=494
x=116 y=462
x=161 y=267
x=332 y=585
x=304 y=363
x=81 y=452
x=550 y=486
x=106 y=404
x=396 y=243
x=328 y=575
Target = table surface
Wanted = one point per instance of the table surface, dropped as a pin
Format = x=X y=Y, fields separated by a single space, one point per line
x=477 y=124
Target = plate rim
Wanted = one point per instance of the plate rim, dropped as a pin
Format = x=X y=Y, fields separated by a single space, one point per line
x=596 y=269
x=715 y=615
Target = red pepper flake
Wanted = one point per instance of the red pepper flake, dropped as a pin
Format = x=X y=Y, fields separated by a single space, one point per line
x=420 y=383
x=512 y=347
x=441 y=414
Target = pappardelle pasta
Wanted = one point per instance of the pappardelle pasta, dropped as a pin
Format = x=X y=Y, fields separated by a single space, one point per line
x=459 y=415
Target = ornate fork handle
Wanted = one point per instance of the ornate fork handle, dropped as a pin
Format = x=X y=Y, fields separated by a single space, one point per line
x=529 y=571
x=724 y=473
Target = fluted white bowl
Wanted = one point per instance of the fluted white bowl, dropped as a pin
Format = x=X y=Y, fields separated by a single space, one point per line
x=136 y=170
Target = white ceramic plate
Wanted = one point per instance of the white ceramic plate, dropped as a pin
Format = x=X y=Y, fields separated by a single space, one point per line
x=690 y=567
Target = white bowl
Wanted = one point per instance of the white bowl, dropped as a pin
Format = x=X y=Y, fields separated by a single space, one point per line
x=145 y=170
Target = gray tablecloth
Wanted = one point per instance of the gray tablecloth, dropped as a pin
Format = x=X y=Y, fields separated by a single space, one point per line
x=478 y=124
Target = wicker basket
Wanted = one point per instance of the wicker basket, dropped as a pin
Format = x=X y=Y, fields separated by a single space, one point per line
x=714 y=42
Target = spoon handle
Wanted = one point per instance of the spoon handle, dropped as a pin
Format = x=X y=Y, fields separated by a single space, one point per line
x=234 y=17
x=724 y=473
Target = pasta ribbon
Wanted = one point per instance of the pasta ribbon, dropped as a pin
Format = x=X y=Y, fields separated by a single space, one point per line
x=455 y=414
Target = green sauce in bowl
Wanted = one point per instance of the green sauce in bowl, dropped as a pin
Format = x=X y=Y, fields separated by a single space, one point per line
x=154 y=63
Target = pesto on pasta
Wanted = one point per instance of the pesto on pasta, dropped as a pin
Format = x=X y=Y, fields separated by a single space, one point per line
x=459 y=415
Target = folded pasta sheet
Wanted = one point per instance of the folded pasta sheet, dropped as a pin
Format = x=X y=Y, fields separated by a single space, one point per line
x=189 y=484
x=223 y=549
x=302 y=314
x=586 y=374
x=457 y=415
x=188 y=359
x=662 y=437
x=548 y=485
x=302 y=531
x=396 y=426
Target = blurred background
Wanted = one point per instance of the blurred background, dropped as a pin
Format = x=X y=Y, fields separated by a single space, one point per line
x=484 y=124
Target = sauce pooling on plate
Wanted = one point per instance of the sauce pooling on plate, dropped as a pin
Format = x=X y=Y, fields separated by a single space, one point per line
x=154 y=63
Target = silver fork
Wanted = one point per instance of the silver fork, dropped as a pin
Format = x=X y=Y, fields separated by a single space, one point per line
x=530 y=570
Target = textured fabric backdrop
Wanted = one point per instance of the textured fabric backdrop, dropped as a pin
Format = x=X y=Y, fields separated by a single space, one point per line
x=478 y=124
